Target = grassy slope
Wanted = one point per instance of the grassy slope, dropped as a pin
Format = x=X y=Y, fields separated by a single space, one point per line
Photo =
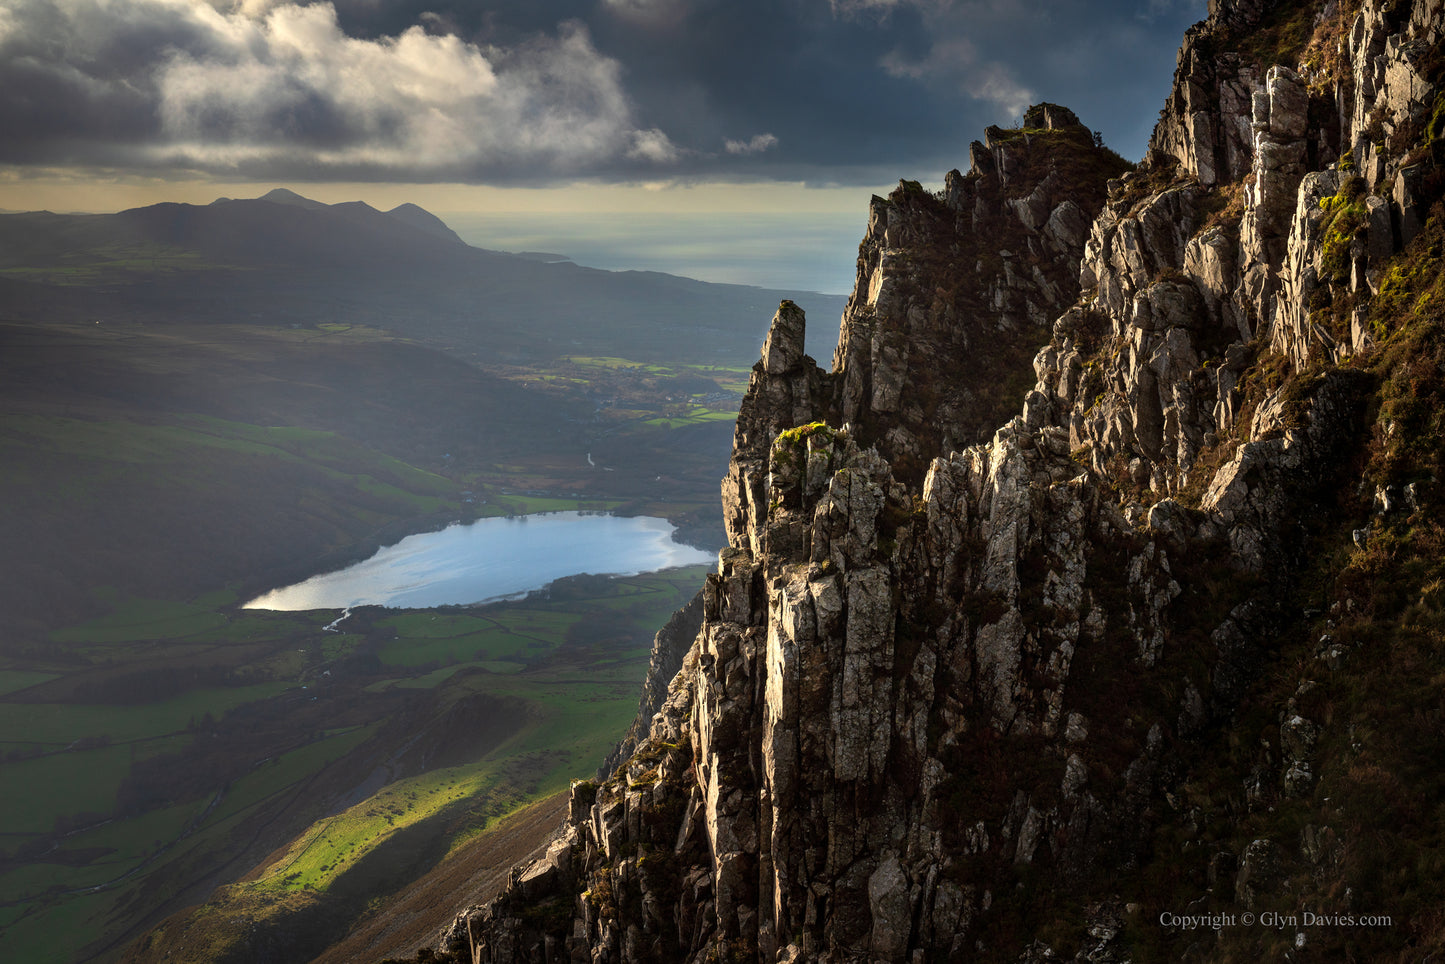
x=415 y=731
x=473 y=873
x=166 y=741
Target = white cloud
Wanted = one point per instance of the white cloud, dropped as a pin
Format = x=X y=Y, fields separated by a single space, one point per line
x=431 y=102
x=249 y=8
x=652 y=145
x=756 y=145
x=994 y=84
x=955 y=62
x=952 y=60
x=257 y=85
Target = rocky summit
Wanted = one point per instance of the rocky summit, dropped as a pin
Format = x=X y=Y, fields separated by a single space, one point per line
x=1090 y=607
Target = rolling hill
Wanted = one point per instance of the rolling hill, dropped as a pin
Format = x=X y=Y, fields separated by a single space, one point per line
x=285 y=260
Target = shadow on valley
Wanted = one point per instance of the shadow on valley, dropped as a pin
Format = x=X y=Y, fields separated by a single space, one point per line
x=277 y=913
x=174 y=460
x=170 y=748
x=199 y=404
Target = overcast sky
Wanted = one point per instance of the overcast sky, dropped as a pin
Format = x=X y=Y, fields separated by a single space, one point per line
x=116 y=102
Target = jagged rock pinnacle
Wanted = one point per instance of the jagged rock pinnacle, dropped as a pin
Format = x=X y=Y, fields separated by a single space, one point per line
x=784 y=348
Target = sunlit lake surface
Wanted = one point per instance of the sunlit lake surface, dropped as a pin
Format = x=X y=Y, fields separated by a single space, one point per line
x=491 y=559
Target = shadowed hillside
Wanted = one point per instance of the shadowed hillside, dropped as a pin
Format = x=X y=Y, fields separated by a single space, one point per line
x=279 y=261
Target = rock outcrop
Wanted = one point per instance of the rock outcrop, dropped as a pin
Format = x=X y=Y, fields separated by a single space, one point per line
x=991 y=614
x=669 y=649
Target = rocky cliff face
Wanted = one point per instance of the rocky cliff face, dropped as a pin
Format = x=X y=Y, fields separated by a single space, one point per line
x=669 y=649
x=1016 y=652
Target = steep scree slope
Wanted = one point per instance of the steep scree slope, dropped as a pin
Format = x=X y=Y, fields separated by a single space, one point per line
x=1168 y=642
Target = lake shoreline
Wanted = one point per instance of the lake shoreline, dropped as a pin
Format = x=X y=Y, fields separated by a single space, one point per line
x=486 y=560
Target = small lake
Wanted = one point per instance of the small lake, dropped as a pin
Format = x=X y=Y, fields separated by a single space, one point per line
x=491 y=559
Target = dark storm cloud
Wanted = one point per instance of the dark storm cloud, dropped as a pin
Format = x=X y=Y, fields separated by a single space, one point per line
x=868 y=90
x=823 y=90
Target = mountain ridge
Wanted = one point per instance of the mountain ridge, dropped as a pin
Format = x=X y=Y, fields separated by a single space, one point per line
x=258 y=261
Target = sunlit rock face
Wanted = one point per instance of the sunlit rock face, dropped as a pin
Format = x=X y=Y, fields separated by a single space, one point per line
x=996 y=577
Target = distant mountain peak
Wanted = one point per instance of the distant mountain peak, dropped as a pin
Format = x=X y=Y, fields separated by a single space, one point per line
x=283 y=195
x=423 y=220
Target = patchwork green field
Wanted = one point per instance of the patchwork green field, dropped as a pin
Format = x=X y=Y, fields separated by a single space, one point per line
x=632 y=394
x=166 y=746
x=157 y=742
